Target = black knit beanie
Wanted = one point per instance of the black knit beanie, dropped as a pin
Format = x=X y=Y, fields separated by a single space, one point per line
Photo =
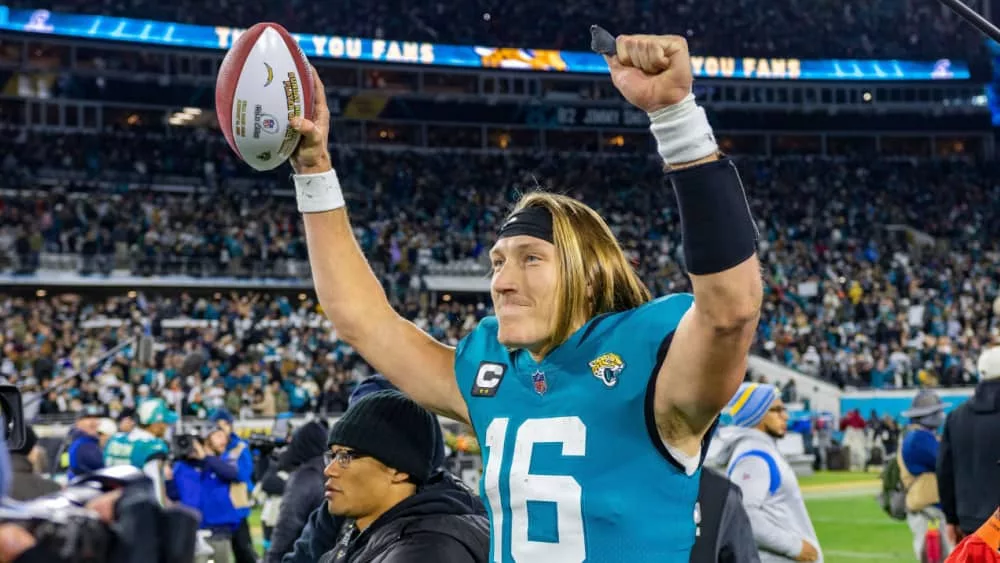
x=391 y=428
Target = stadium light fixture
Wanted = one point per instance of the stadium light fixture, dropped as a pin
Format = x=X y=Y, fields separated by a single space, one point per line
x=180 y=118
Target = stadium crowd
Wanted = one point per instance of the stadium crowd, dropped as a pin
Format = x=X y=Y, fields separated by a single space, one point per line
x=855 y=295
x=264 y=353
x=884 y=28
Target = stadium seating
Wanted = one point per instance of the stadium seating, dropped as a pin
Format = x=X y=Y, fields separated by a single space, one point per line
x=859 y=291
x=878 y=29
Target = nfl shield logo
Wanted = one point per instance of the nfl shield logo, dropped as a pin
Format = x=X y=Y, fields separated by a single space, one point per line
x=269 y=123
x=541 y=386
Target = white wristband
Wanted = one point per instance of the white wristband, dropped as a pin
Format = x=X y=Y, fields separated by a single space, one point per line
x=320 y=192
x=682 y=132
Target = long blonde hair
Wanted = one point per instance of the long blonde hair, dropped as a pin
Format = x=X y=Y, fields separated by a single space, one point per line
x=595 y=277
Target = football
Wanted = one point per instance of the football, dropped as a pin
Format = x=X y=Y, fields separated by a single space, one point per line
x=264 y=80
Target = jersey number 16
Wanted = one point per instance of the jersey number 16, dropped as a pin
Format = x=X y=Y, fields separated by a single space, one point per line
x=561 y=490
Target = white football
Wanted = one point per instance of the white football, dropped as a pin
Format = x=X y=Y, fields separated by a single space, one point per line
x=265 y=80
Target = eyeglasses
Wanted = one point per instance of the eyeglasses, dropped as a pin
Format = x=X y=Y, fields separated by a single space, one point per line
x=342 y=457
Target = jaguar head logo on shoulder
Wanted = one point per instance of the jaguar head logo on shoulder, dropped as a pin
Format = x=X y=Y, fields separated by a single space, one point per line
x=607 y=367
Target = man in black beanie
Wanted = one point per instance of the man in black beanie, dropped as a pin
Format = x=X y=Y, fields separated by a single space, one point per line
x=380 y=452
x=323 y=530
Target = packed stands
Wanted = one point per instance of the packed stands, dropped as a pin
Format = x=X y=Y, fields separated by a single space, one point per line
x=878 y=273
x=255 y=343
x=880 y=29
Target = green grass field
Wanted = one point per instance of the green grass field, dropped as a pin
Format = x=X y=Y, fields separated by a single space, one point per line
x=855 y=530
x=851 y=526
x=837 y=477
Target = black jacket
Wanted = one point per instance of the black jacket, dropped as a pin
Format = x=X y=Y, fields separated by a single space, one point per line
x=967 y=466
x=319 y=536
x=304 y=490
x=322 y=530
x=724 y=532
x=273 y=482
x=443 y=522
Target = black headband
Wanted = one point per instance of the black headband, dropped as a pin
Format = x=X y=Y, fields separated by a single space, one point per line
x=532 y=221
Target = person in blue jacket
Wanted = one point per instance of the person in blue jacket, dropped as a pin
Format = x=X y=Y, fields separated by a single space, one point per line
x=236 y=452
x=85 y=452
x=917 y=466
x=203 y=481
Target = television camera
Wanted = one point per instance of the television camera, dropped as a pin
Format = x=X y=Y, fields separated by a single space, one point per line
x=143 y=531
x=266 y=444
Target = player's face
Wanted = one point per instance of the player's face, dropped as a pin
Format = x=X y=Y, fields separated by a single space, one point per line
x=126 y=425
x=525 y=275
x=776 y=420
x=356 y=485
x=158 y=429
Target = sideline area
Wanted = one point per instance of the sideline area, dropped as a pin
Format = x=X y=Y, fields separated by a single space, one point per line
x=844 y=508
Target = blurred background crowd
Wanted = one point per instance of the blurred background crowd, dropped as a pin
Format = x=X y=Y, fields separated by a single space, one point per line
x=879 y=274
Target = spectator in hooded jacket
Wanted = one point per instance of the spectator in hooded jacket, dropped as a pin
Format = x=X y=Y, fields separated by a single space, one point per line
x=303 y=460
x=781 y=525
x=967 y=469
x=323 y=529
x=380 y=453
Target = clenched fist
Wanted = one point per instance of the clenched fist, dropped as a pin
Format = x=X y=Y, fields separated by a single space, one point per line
x=312 y=155
x=651 y=71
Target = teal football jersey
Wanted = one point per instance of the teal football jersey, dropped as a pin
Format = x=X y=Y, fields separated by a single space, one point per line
x=573 y=467
x=135 y=448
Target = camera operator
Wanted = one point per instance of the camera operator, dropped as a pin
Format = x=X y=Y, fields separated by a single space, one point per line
x=238 y=457
x=198 y=479
x=183 y=476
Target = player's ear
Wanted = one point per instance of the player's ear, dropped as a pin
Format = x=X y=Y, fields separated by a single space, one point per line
x=399 y=477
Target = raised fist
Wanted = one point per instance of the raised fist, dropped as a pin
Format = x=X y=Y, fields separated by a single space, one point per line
x=312 y=155
x=651 y=71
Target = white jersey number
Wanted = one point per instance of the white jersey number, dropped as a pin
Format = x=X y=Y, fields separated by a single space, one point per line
x=562 y=490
